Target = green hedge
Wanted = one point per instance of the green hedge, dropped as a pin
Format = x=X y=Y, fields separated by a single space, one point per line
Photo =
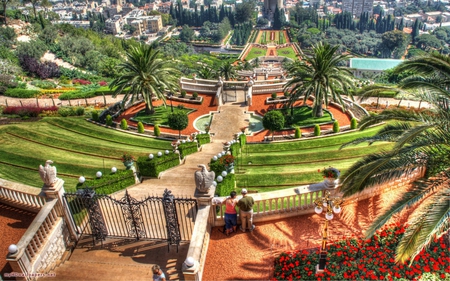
x=152 y=167
x=226 y=186
x=235 y=149
x=111 y=183
x=203 y=139
x=243 y=139
x=21 y=93
x=187 y=148
x=77 y=95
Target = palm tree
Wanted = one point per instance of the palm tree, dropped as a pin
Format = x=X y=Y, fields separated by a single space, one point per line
x=422 y=140
x=320 y=75
x=227 y=71
x=144 y=75
x=206 y=73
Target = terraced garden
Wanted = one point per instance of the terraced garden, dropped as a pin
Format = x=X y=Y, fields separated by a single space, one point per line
x=267 y=167
x=76 y=146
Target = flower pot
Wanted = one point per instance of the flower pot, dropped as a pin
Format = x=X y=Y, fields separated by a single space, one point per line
x=330 y=182
x=128 y=164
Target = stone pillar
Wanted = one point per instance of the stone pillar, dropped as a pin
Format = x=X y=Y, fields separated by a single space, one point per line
x=57 y=192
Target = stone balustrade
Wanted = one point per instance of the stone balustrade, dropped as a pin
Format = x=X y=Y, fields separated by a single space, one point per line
x=21 y=196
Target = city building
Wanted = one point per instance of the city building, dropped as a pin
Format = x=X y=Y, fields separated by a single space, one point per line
x=356 y=7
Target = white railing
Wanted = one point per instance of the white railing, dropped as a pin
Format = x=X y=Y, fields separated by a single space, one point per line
x=202 y=88
x=21 y=196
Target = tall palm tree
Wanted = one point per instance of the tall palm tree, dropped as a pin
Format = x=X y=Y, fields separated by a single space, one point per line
x=422 y=140
x=145 y=75
x=227 y=71
x=206 y=73
x=320 y=75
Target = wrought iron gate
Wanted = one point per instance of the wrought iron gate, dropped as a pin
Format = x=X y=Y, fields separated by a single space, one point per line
x=153 y=218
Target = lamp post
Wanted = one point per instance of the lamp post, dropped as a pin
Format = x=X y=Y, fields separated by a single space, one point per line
x=332 y=205
x=170 y=98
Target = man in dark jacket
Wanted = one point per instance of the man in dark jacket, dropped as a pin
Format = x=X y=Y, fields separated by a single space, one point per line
x=245 y=205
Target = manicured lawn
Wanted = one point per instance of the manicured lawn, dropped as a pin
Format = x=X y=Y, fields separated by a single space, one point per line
x=287 y=52
x=76 y=146
x=160 y=116
x=303 y=117
x=255 y=52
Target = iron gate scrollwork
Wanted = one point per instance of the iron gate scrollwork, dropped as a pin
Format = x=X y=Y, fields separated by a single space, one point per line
x=164 y=218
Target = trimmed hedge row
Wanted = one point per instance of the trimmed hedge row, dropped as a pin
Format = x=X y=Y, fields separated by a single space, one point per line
x=234 y=148
x=21 y=93
x=203 y=139
x=187 y=148
x=111 y=183
x=226 y=186
x=242 y=140
x=152 y=167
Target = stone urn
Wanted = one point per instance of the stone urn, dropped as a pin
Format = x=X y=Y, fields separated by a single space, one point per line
x=330 y=182
x=128 y=164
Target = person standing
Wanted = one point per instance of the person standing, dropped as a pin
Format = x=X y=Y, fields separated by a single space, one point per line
x=158 y=274
x=245 y=205
x=230 y=213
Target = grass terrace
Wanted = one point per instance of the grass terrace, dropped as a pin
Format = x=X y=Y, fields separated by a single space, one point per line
x=287 y=52
x=161 y=115
x=256 y=52
x=76 y=147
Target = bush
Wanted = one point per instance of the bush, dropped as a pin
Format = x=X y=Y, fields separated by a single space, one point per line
x=242 y=140
x=140 y=127
x=274 y=95
x=109 y=120
x=152 y=167
x=95 y=115
x=183 y=93
x=43 y=84
x=226 y=186
x=21 y=93
x=156 y=130
x=203 y=139
x=180 y=106
x=187 y=148
x=298 y=133
x=195 y=95
x=317 y=130
x=124 y=124
x=336 y=127
x=28 y=111
x=286 y=94
x=111 y=183
x=353 y=123
x=66 y=111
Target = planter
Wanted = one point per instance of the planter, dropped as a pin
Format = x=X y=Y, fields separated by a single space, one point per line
x=330 y=182
x=128 y=164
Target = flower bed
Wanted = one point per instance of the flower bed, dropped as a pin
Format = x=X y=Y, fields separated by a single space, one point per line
x=358 y=259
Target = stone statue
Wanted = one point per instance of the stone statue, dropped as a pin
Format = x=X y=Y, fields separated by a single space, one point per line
x=204 y=179
x=48 y=173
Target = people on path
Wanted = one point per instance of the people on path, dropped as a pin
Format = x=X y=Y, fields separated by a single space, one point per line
x=245 y=205
x=230 y=213
x=158 y=274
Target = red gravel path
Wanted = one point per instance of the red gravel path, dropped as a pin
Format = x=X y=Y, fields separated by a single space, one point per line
x=13 y=224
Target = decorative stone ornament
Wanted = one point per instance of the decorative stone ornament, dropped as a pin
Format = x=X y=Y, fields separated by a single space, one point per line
x=81 y=179
x=204 y=179
x=214 y=158
x=166 y=152
x=98 y=174
x=150 y=156
x=159 y=153
x=12 y=249
x=219 y=179
x=113 y=170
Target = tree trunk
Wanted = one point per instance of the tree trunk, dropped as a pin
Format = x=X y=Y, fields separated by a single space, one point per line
x=318 y=111
x=148 y=111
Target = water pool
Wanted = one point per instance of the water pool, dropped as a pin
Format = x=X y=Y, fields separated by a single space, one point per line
x=202 y=122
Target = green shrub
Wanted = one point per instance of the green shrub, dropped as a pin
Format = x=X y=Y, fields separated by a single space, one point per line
x=235 y=149
x=353 y=123
x=217 y=166
x=21 y=93
x=187 y=148
x=180 y=106
x=336 y=127
x=195 y=95
x=286 y=94
x=317 y=130
x=242 y=140
x=111 y=183
x=140 y=127
x=298 y=133
x=152 y=167
x=274 y=95
x=109 y=120
x=77 y=95
x=124 y=124
x=79 y=111
x=66 y=111
x=43 y=84
x=183 y=93
x=156 y=130
x=226 y=186
x=203 y=139
x=95 y=115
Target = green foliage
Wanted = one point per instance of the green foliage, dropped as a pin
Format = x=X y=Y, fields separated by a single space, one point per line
x=140 y=127
x=111 y=183
x=273 y=121
x=43 y=84
x=95 y=115
x=66 y=111
x=353 y=123
x=34 y=49
x=183 y=93
x=79 y=111
x=156 y=130
x=336 y=127
x=109 y=120
x=124 y=124
x=203 y=139
x=242 y=140
x=152 y=167
x=316 y=130
x=298 y=133
x=274 y=95
x=178 y=120
x=235 y=149
x=226 y=186
x=21 y=93
x=195 y=95
x=187 y=148
x=217 y=166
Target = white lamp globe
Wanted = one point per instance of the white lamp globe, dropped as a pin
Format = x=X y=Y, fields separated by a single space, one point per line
x=224 y=173
x=183 y=141
x=113 y=170
x=214 y=158
x=166 y=152
x=219 y=179
x=219 y=155
x=318 y=210
x=12 y=249
x=81 y=179
x=150 y=156
x=224 y=152
x=189 y=262
x=337 y=209
x=214 y=183
x=329 y=216
x=159 y=153
x=98 y=174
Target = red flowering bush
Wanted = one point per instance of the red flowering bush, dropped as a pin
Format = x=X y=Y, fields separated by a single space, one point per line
x=358 y=259
x=227 y=160
x=29 y=111
x=103 y=83
x=81 y=82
